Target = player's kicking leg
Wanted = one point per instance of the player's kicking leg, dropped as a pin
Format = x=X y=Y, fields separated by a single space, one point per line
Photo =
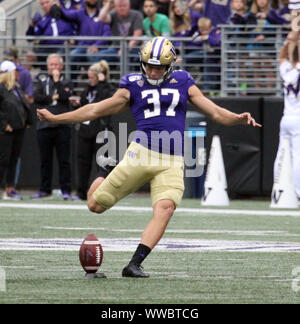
x=162 y=212
x=92 y=203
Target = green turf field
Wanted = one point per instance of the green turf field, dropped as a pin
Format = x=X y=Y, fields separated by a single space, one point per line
x=246 y=253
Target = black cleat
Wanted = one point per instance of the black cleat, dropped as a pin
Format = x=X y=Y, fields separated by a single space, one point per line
x=134 y=271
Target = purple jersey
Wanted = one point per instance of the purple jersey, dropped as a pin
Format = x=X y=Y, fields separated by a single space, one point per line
x=218 y=11
x=25 y=80
x=159 y=111
x=71 y=4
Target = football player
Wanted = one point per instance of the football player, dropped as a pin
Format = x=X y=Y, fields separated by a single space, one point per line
x=158 y=99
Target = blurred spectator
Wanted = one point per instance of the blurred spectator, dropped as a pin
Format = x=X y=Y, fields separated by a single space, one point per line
x=134 y=4
x=182 y=16
x=294 y=35
x=89 y=25
x=197 y=5
x=283 y=10
x=208 y=41
x=15 y=116
x=123 y=21
x=195 y=16
x=98 y=89
x=24 y=80
x=265 y=16
x=285 y=13
x=102 y=3
x=260 y=8
x=240 y=14
x=137 y=5
x=217 y=11
x=53 y=92
x=50 y=24
x=239 y=56
x=180 y=22
x=26 y=84
x=155 y=24
x=29 y=63
x=180 y=25
x=72 y=4
x=163 y=7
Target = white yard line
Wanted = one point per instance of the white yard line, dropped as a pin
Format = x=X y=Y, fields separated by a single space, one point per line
x=166 y=244
x=191 y=211
x=176 y=231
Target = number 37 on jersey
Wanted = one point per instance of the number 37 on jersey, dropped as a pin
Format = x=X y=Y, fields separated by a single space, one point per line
x=154 y=99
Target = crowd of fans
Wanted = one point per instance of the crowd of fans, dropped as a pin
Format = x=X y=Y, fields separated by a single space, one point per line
x=176 y=18
x=196 y=19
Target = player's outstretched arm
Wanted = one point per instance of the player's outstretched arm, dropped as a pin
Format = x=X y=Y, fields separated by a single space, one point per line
x=217 y=113
x=117 y=103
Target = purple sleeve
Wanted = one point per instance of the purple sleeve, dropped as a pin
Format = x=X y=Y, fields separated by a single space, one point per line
x=73 y=15
x=185 y=79
x=106 y=31
x=190 y=80
x=237 y=19
x=26 y=83
x=30 y=31
x=274 y=18
x=196 y=39
x=214 y=38
x=124 y=83
x=217 y=11
x=38 y=29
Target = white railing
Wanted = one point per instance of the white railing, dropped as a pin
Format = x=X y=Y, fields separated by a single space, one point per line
x=242 y=65
x=250 y=60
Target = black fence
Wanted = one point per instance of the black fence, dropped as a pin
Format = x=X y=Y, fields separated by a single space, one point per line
x=249 y=153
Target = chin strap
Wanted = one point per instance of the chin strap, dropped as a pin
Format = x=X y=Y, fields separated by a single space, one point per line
x=160 y=81
x=155 y=82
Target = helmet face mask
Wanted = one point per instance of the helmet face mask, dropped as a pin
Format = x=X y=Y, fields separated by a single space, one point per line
x=160 y=52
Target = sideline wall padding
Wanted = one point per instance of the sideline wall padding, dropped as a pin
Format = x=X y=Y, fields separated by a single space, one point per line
x=241 y=146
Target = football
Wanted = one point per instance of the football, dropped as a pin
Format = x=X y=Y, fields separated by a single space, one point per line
x=91 y=254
